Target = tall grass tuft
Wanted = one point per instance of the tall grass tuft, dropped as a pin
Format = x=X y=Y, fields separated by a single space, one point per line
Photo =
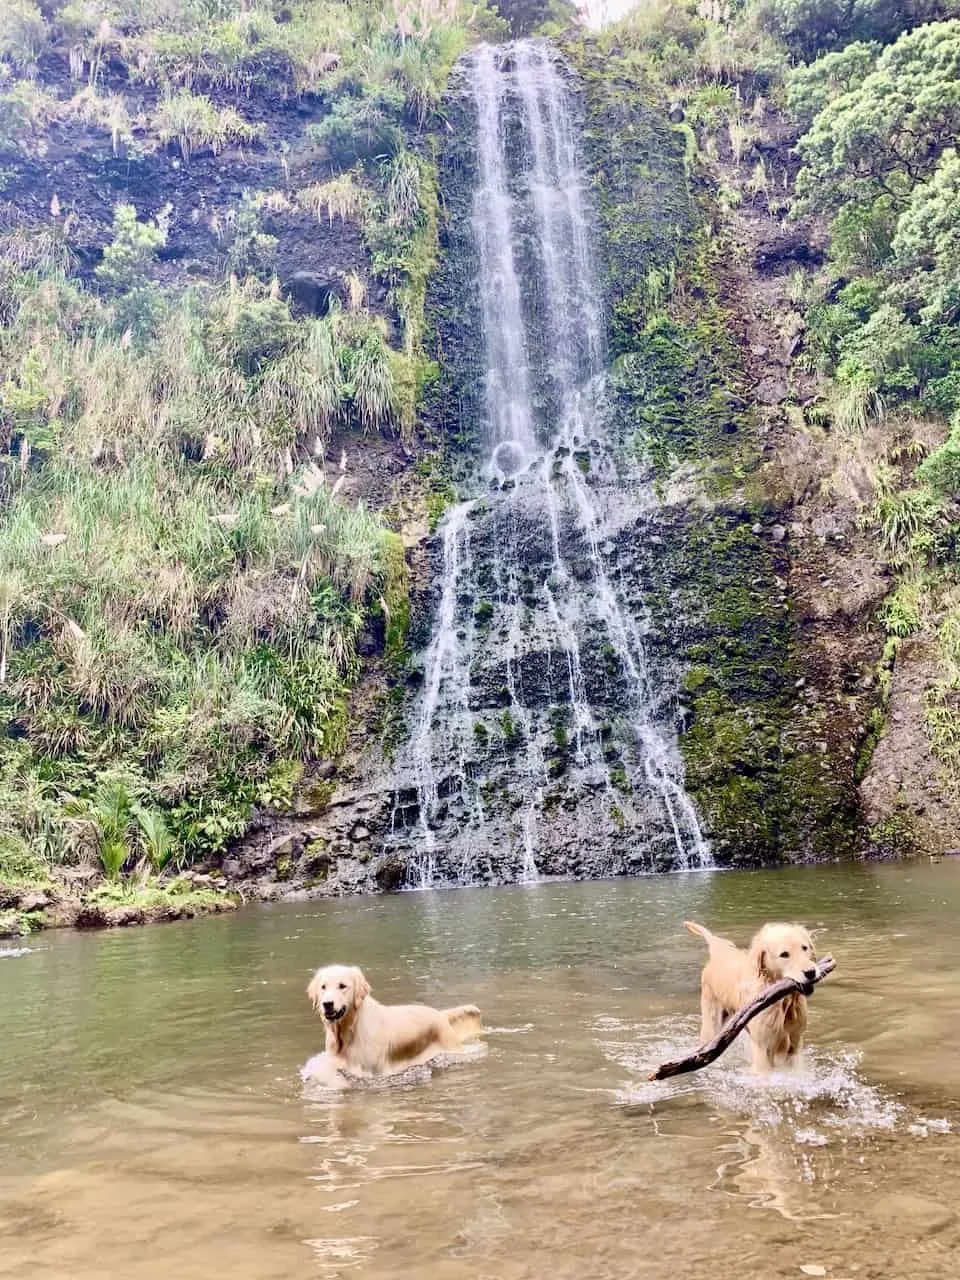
x=179 y=600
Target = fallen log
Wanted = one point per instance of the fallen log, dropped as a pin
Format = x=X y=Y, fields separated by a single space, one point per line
x=737 y=1021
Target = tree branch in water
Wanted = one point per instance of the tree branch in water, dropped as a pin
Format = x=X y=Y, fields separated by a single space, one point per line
x=737 y=1021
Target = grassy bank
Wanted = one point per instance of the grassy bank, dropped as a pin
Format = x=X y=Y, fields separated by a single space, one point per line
x=182 y=589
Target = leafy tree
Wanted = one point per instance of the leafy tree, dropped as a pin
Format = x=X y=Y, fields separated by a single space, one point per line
x=878 y=352
x=808 y=27
x=810 y=88
x=124 y=270
x=525 y=16
x=127 y=257
x=881 y=137
x=941 y=470
x=926 y=246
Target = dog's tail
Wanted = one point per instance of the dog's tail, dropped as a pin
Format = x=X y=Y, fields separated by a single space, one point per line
x=465 y=1020
x=711 y=939
x=699 y=930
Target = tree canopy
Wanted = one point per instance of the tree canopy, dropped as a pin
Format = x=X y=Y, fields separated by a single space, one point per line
x=886 y=133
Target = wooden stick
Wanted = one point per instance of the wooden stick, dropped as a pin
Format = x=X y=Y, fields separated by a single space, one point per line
x=737 y=1021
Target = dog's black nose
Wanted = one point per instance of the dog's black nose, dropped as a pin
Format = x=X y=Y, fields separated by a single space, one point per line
x=810 y=974
x=328 y=1006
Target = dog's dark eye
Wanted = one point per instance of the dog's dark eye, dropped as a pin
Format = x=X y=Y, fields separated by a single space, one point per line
x=343 y=986
x=785 y=955
x=805 y=947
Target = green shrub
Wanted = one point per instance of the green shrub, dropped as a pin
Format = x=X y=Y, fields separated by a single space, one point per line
x=128 y=256
x=23 y=34
x=361 y=126
x=19 y=864
x=248 y=248
x=941 y=469
x=25 y=111
x=195 y=124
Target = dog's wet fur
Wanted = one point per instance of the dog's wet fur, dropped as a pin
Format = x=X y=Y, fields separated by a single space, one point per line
x=366 y=1039
x=732 y=978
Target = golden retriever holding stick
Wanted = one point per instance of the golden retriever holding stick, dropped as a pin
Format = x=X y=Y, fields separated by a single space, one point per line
x=732 y=977
x=366 y=1038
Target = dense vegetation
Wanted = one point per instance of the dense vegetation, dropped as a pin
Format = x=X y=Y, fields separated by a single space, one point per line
x=181 y=590
x=872 y=93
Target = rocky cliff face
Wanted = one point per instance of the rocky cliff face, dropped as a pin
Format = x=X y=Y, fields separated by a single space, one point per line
x=733 y=548
x=756 y=590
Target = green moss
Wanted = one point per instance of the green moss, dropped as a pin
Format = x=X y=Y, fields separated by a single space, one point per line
x=762 y=785
x=19 y=924
x=619 y=779
x=556 y=767
x=512 y=733
x=159 y=899
x=559 y=720
x=319 y=794
x=389 y=717
x=395 y=598
x=896 y=836
x=696 y=677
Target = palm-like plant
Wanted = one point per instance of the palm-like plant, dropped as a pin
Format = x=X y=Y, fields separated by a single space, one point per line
x=156 y=837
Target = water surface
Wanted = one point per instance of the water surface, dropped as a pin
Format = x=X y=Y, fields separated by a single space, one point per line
x=152 y=1122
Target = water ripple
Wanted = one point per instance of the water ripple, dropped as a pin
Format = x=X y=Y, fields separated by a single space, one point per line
x=826 y=1089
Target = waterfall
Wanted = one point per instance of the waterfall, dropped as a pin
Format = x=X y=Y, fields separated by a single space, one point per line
x=544 y=740
x=509 y=425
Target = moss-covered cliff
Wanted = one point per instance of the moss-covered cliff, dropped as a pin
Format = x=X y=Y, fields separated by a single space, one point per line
x=771 y=769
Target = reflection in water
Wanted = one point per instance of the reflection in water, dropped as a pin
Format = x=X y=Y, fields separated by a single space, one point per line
x=152 y=1121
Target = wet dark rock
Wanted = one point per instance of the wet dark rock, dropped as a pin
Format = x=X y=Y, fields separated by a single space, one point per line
x=391 y=874
x=34 y=900
x=312 y=291
x=783 y=250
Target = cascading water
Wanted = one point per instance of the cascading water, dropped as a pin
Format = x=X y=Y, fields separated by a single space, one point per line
x=542 y=741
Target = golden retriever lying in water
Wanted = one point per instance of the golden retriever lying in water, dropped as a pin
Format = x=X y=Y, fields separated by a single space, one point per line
x=366 y=1038
x=731 y=978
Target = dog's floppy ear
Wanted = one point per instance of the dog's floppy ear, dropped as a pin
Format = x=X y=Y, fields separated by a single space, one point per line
x=362 y=988
x=758 y=957
x=313 y=990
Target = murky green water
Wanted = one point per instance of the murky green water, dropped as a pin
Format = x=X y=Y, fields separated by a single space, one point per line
x=152 y=1121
